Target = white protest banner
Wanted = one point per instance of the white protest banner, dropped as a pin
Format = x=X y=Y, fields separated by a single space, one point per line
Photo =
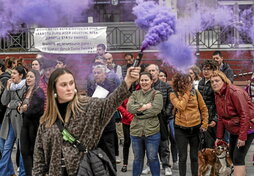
x=69 y=40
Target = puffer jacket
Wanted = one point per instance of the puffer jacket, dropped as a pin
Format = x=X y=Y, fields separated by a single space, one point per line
x=207 y=93
x=235 y=110
x=96 y=163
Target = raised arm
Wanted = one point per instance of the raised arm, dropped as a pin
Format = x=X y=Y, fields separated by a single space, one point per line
x=115 y=99
x=180 y=103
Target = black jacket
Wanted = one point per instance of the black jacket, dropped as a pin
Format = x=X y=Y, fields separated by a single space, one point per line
x=166 y=112
x=4 y=78
x=227 y=71
x=96 y=163
x=208 y=95
x=35 y=108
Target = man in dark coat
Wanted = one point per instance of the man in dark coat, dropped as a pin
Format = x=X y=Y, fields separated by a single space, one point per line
x=107 y=140
x=224 y=67
x=128 y=57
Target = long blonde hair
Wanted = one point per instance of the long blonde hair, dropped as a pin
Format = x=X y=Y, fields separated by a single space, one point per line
x=74 y=106
x=222 y=76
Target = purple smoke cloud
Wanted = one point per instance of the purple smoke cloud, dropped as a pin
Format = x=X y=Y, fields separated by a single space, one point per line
x=177 y=54
x=205 y=18
x=43 y=13
x=169 y=34
x=247 y=23
x=157 y=20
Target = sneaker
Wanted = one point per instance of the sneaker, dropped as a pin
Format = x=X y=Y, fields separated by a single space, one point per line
x=146 y=171
x=124 y=168
x=168 y=171
x=175 y=166
x=118 y=160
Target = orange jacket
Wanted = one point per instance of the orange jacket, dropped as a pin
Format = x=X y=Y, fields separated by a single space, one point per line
x=188 y=108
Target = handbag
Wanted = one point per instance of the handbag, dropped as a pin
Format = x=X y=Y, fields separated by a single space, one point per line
x=94 y=162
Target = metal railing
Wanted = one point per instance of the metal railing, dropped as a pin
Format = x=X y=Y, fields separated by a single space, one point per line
x=126 y=36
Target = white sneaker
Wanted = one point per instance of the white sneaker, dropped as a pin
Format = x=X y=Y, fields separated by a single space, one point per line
x=146 y=171
x=118 y=160
x=168 y=171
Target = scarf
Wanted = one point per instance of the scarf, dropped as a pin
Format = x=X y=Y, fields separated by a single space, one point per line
x=18 y=86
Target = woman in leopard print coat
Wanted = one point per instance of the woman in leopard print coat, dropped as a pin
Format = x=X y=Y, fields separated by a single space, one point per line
x=83 y=116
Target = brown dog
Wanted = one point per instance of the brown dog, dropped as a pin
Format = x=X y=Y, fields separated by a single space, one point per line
x=215 y=162
x=223 y=165
x=206 y=162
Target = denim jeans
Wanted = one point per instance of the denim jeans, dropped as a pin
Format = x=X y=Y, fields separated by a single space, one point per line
x=21 y=166
x=150 y=144
x=1 y=143
x=6 y=166
x=173 y=146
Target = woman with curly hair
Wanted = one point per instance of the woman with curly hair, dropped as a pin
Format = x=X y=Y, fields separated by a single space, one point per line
x=189 y=108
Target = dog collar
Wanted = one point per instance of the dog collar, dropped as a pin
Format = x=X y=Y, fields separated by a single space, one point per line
x=222 y=157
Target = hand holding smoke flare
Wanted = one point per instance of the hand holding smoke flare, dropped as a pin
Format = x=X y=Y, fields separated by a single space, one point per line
x=161 y=26
x=138 y=59
x=157 y=20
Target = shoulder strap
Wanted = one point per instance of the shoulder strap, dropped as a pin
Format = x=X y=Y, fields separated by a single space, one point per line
x=198 y=104
x=67 y=136
x=18 y=95
x=154 y=92
x=174 y=109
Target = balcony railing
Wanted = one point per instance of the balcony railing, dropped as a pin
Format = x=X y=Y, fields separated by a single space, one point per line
x=126 y=36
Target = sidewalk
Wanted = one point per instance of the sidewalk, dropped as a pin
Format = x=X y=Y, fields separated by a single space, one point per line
x=249 y=164
x=248 y=160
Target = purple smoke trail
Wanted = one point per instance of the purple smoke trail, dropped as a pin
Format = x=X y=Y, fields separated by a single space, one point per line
x=158 y=20
x=46 y=13
x=177 y=54
x=205 y=18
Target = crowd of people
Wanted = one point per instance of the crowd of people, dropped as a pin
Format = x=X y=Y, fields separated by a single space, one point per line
x=159 y=119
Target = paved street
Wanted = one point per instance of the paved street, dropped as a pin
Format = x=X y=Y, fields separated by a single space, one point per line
x=250 y=167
